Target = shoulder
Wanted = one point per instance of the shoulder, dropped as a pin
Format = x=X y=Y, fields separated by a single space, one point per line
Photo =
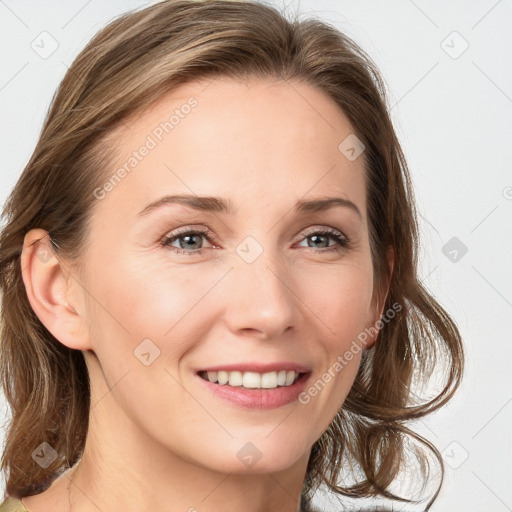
x=12 y=505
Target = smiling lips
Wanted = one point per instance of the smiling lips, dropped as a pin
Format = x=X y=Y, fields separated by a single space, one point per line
x=255 y=375
x=255 y=385
x=252 y=380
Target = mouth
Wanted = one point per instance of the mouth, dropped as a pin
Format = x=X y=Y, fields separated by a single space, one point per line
x=255 y=385
x=253 y=380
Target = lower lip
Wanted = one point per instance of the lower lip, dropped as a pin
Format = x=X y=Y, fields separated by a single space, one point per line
x=258 y=398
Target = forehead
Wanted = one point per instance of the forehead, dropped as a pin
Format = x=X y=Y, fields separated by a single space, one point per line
x=255 y=139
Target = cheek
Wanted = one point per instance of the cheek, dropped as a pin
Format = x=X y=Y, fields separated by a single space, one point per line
x=138 y=301
x=342 y=302
x=340 y=296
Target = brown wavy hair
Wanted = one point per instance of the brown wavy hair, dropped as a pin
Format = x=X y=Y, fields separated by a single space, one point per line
x=128 y=65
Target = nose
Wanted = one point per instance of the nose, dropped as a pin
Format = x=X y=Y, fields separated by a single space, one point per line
x=260 y=301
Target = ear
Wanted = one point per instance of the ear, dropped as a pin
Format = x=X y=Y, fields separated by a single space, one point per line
x=379 y=300
x=55 y=296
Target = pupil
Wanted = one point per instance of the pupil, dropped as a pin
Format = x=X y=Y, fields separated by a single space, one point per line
x=318 y=236
x=186 y=244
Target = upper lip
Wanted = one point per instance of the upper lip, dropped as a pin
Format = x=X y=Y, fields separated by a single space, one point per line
x=258 y=367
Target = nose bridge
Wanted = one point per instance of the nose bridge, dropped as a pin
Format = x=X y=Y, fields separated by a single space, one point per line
x=260 y=297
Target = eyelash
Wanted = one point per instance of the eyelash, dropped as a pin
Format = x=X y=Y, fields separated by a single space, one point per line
x=342 y=241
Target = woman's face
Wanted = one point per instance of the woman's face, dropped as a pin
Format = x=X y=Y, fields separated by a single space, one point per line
x=246 y=284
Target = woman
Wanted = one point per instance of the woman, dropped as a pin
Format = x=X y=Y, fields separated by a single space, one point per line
x=147 y=373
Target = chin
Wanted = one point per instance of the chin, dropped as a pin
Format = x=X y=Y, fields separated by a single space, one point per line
x=257 y=456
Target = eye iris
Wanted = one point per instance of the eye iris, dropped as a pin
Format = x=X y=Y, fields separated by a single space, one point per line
x=313 y=237
x=189 y=245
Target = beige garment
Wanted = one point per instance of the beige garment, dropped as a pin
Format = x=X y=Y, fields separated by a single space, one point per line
x=12 y=505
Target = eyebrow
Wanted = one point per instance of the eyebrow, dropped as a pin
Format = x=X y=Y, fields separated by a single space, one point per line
x=221 y=205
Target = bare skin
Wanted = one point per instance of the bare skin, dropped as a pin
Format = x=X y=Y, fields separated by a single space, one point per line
x=159 y=439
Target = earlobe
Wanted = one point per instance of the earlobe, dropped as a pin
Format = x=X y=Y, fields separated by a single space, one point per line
x=48 y=289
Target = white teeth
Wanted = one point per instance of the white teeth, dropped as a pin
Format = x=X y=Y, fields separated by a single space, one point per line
x=269 y=380
x=252 y=380
x=223 y=377
x=281 y=378
x=235 y=378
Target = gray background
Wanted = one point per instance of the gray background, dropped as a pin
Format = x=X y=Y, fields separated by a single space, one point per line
x=452 y=110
